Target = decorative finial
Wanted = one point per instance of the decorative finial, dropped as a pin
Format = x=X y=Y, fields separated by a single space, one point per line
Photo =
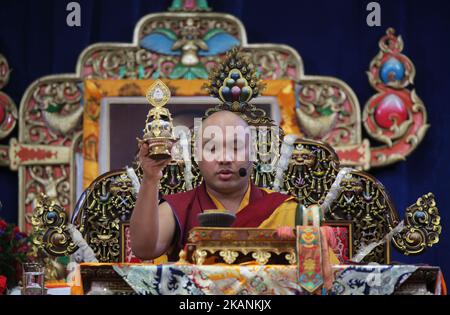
x=189 y=6
x=158 y=131
x=158 y=94
x=235 y=82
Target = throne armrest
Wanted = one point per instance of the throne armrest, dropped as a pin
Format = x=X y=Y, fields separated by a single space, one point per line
x=51 y=235
x=422 y=227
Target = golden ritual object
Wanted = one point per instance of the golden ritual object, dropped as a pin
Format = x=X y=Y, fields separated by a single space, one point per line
x=208 y=245
x=158 y=131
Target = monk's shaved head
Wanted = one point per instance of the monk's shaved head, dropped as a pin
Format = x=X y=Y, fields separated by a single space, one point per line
x=224 y=118
x=230 y=126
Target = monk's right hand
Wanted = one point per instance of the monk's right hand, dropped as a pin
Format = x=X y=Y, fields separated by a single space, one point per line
x=153 y=170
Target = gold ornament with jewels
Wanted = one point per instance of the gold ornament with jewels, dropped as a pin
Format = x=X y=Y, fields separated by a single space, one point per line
x=158 y=131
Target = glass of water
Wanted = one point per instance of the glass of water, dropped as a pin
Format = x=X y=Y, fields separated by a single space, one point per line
x=33 y=279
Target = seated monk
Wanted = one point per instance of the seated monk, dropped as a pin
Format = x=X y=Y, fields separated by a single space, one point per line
x=160 y=226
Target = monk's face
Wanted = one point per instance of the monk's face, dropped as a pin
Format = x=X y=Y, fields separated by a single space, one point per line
x=224 y=148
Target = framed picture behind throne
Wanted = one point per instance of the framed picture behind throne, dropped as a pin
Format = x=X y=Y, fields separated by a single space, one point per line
x=122 y=120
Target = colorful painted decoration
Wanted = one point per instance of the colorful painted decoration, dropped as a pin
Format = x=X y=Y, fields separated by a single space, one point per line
x=320 y=108
x=309 y=258
x=4 y=71
x=390 y=111
x=189 y=45
x=8 y=109
x=395 y=115
x=392 y=71
x=235 y=82
x=390 y=67
x=235 y=88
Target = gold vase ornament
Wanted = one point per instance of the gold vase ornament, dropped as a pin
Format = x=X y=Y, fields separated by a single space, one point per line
x=158 y=131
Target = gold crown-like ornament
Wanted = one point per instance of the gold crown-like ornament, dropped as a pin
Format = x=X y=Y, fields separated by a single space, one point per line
x=235 y=82
x=158 y=131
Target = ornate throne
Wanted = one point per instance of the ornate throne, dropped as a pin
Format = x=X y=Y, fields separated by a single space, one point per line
x=103 y=211
x=60 y=119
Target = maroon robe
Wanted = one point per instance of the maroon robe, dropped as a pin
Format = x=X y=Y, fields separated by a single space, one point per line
x=187 y=205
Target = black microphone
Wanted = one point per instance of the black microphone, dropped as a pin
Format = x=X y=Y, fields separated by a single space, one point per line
x=242 y=172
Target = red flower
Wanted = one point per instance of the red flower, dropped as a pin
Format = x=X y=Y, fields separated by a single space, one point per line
x=13 y=251
x=2 y=284
x=3 y=225
x=19 y=235
x=23 y=249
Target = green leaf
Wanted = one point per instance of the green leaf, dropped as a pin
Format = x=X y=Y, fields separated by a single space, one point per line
x=167 y=32
x=54 y=108
x=212 y=32
x=345 y=113
x=141 y=72
x=156 y=74
x=258 y=74
x=189 y=75
x=199 y=71
x=178 y=72
x=122 y=72
x=327 y=111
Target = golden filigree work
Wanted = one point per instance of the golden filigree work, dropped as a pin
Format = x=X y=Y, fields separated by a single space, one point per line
x=238 y=245
x=291 y=258
x=261 y=257
x=229 y=256
x=422 y=227
x=363 y=200
x=106 y=204
x=200 y=256
x=50 y=236
x=235 y=82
